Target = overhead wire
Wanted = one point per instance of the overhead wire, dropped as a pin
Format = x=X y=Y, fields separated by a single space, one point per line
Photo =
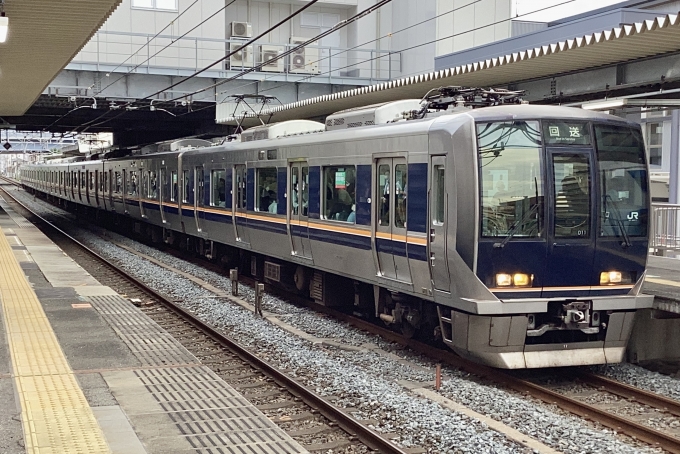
x=335 y=28
x=332 y=30
x=401 y=50
x=170 y=44
x=344 y=51
x=229 y=54
x=269 y=30
x=155 y=36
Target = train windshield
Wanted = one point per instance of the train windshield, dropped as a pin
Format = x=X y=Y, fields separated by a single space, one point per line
x=623 y=181
x=511 y=181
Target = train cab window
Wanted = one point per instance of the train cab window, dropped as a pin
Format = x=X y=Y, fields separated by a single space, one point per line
x=267 y=184
x=118 y=183
x=623 y=181
x=187 y=186
x=339 y=194
x=132 y=184
x=173 y=186
x=509 y=155
x=218 y=188
x=571 y=174
x=400 y=187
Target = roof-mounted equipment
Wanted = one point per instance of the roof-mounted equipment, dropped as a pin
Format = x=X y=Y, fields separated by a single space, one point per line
x=282 y=129
x=374 y=114
x=452 y=97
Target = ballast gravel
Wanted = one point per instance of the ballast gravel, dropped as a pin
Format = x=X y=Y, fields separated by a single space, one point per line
x=366 y=381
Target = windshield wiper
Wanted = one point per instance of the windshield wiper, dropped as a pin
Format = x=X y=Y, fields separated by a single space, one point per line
x=619 y=222
x=515 y=226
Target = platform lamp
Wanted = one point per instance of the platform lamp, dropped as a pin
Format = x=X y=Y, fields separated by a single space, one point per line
x=4 y=22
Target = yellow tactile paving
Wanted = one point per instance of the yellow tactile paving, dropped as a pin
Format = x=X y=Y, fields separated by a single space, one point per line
x=56 y=417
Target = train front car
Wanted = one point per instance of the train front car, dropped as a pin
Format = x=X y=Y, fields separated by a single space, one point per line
x=561 y=238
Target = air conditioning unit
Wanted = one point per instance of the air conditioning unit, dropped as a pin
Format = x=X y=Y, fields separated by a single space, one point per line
x=304 y=60
x=242 y=58
x=268 y=52
x=241 y=30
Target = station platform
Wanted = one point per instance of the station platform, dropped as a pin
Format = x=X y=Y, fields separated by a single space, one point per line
x=82 y=370
x=663 y=281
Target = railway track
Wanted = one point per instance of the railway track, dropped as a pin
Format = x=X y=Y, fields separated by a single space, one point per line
x=598 y=412
x=310 y=419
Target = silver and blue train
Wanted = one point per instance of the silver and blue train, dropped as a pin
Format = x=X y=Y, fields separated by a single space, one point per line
x=516 y=234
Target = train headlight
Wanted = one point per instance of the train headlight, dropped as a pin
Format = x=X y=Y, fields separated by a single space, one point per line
x=611 y=277
x=503 y=280
x=521 y=280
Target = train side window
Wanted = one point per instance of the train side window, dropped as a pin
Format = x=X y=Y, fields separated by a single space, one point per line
x=267 y=183
x=144 y=192
x=173 y=186
x=218 y=188
x=384 y=192
x=105 y=182
x=132 y=184
x=241 y=189
x=91 y=181
x=186 y=186
x=152 y=190
x=83 y=180
x=339 y=193
x=400 y=187
x=439 y=190
x=118 y=182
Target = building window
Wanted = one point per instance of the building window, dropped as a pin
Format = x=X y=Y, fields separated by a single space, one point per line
x=266 y=189
x=654 y=142
x=218 y=192
x=339 y=193
x=164 y=5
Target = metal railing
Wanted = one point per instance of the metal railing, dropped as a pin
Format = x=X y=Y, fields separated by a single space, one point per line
x=665 y=228
x=108 y=49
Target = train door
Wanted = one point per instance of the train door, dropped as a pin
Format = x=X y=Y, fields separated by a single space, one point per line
x=161 y=191
x=239 y=204
x=124 y=191
x=81 y=184
x=108 y=189
x=97 y=185
x=88 y=185
x=571 y=246
x=438 y=209
x=298 y=207
x=390 y=231
x=199 y=199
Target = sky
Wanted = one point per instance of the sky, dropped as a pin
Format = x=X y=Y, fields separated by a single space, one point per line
x=560 y=9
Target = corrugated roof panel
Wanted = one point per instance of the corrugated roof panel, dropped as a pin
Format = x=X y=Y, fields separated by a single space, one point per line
x=44 y=35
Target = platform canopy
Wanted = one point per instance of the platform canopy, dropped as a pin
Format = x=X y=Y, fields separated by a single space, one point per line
x=44 y=36
x=617 y=45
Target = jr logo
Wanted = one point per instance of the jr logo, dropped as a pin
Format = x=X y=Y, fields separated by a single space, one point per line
x=633 y=215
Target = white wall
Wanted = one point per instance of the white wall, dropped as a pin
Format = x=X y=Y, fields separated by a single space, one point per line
x=471 y=23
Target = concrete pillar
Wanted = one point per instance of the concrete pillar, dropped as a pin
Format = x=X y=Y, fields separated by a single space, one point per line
x=674 y=174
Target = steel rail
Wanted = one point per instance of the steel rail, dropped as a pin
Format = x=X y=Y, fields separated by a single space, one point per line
x=345 y=421
x=620 y=424
x=632 y=393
